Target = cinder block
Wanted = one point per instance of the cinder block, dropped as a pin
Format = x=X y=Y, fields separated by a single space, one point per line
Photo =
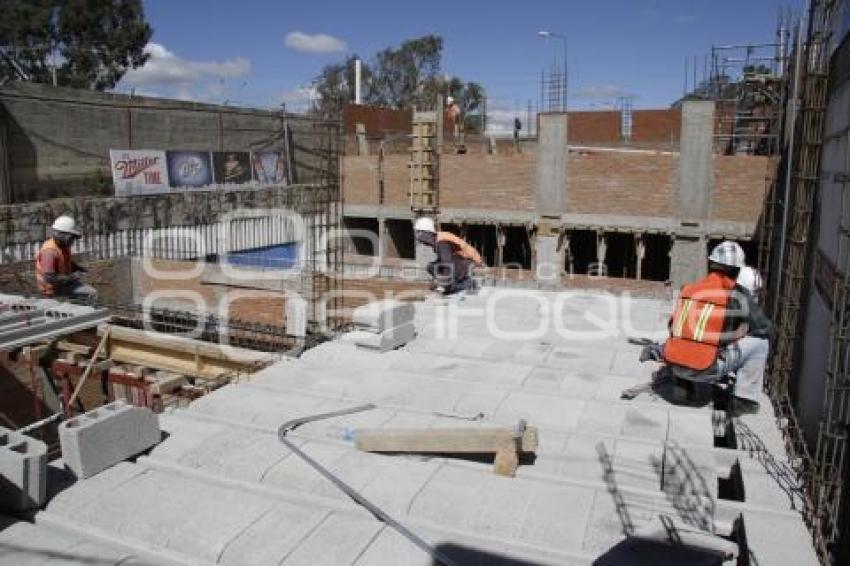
x=106 y=436
x=383 y=341
x=23 y=471
x=379 y=316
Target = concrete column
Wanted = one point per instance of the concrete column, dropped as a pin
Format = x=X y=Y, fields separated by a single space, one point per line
x=601 y=252
x=500 y=245
x=5 y=168
x=693 y=200
x=381 y=252
x=362 y=144
x=551 y=197
x=688 y=259
x=640 y=253
x=423 y=256
x=568 y=253
x=552 y=181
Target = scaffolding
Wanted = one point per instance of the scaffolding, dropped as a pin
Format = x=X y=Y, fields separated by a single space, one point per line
x=748 y=83
x=789 y=242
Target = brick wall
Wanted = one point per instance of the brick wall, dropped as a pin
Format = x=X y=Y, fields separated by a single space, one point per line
x=622 y=183
x=594 y=126
x=656 y=125
x=601 y=182
x=739 y=187
x=376 y=119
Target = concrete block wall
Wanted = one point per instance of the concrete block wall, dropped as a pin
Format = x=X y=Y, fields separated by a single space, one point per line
x=59 y=138
x=23 y=471
x=103 y=437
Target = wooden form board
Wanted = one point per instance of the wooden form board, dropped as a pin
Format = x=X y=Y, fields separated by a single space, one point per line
x=444 y=440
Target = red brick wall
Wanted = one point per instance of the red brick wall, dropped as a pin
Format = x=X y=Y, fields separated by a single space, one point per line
x=632 y=184
x=601 y=182
x=739 y=186
x=594 y=126
x=376 y=119
x=656 y=125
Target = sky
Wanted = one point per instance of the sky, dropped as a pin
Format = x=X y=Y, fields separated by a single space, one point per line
x=266 y=52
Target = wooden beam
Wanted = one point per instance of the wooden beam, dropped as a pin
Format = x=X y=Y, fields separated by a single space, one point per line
x=180 y=355
x=444 y=440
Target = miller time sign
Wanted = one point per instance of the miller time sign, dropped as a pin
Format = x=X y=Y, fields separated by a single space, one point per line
x=139 y=171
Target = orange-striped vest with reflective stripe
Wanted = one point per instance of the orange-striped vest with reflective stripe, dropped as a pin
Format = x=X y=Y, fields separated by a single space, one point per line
x=698 y=322
x=461 y=247
x=63 y=266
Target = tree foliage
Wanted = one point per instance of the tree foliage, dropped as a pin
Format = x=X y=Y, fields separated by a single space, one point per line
x=406 y=77
x=90 y=43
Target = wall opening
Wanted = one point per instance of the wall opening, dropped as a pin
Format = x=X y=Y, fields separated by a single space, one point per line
x=621 y=259
x=656 y=260
x=582 y=251
x=400 y=237
x=361 y=236
x=482 y=237
x=517 y=250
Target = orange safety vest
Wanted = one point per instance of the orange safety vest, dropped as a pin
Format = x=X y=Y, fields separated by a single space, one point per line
x=63 y=266
x=697 y=323
x=462 y=248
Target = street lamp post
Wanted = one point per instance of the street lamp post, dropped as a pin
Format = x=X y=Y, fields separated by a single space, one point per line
x=548 y=35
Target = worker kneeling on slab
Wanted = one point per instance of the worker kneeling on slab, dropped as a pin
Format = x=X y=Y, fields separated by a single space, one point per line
x=57 y=274
x=719 y=329
x=452 y=270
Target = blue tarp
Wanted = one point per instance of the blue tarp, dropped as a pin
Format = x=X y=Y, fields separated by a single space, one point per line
x=281 y=256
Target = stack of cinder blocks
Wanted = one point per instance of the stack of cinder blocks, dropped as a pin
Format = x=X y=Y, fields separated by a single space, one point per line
x=23 y=472
x=105 y=436
x=383 y=325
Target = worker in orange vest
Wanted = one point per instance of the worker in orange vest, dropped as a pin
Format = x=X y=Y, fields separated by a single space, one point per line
x=452 y=270
x=717 y=329
x=57 y=274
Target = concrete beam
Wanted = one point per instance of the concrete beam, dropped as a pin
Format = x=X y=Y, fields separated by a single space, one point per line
x=105 y=436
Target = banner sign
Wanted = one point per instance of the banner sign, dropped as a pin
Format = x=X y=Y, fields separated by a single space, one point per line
x=270 y=167
x=232 y=167
x=189 y=169
x=139 y=172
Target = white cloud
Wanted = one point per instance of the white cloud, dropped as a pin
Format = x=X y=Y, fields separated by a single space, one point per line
x=300 y=98
x=600 y=92
x=500 y=121
x=318 y=43
x=164 y=68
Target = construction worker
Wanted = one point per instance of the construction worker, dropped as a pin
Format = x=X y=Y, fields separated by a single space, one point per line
x=56 y=272
x=453 y=117
x=718 y=329
x=452 y=270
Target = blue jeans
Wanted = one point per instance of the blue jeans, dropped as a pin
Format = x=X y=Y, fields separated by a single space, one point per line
x=746 y=358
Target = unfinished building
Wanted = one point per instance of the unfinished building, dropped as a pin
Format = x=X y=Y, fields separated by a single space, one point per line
x=274 y=424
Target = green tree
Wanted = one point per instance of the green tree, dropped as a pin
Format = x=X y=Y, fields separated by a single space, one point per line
x=335 y=87
x=87 y=43
x=400 y=76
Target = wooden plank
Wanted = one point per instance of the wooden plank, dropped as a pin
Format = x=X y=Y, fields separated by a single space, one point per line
x=443 y=440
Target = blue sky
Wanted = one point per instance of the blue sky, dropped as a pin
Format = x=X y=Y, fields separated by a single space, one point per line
x=221 y=50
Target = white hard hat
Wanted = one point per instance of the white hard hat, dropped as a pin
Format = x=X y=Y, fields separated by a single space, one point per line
x=66 y=224
x=750 y=279
x=424 y=224
x=450 y=100
x=728 y=253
